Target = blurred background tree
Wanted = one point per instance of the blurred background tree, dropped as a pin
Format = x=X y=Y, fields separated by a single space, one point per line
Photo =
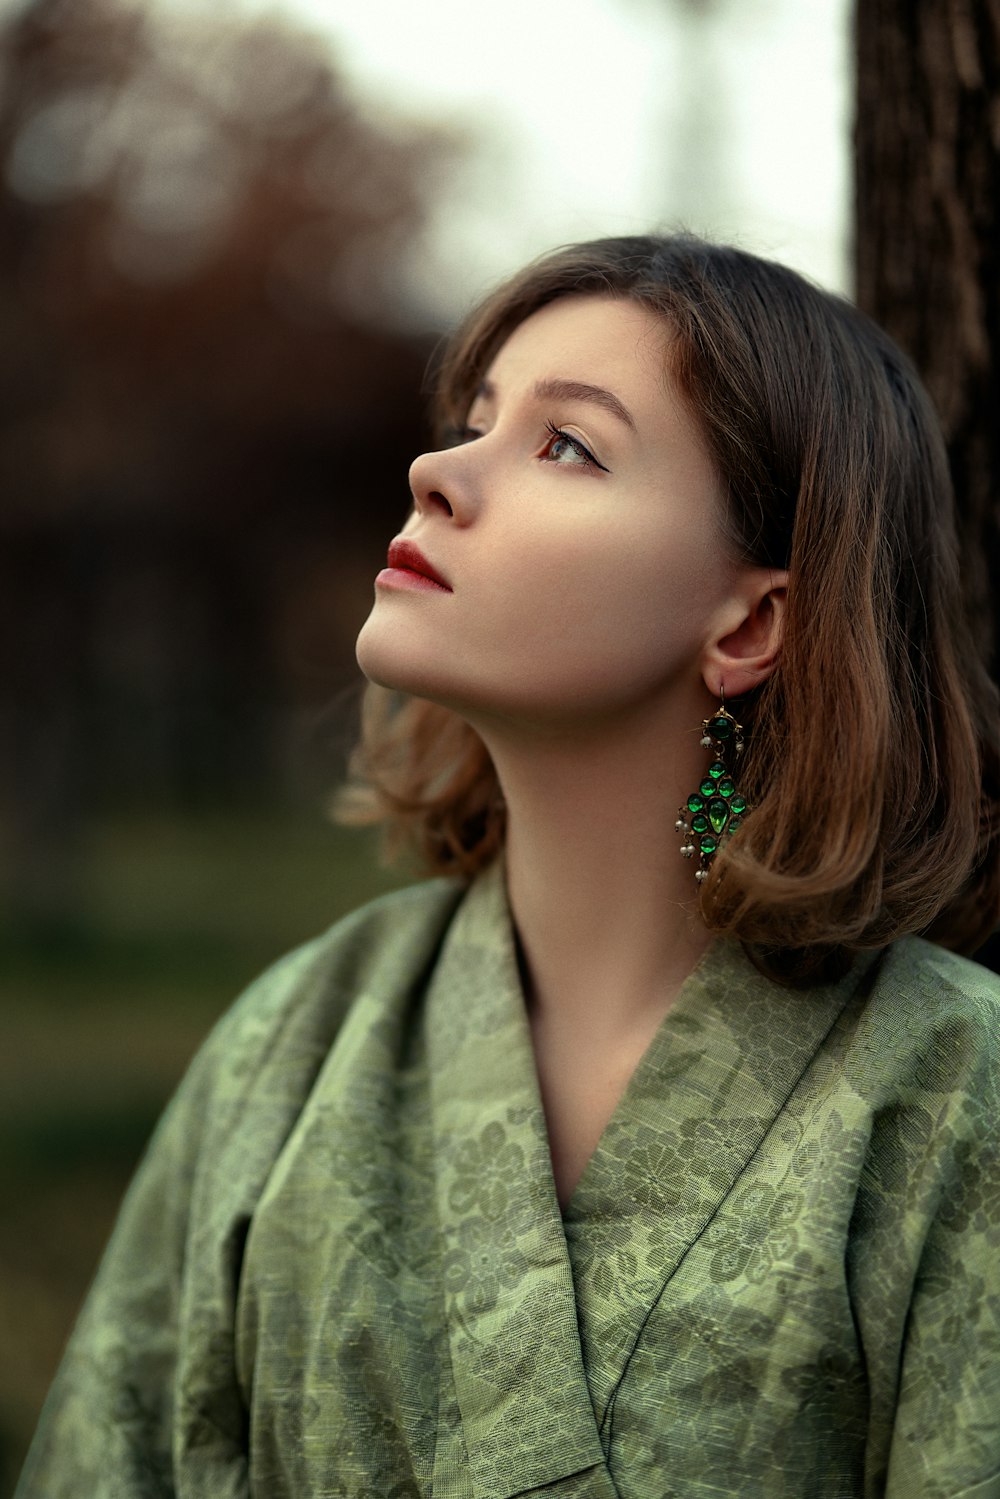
x=205 y=415
x=207 y=409
x=927 y=246
x=927 y=155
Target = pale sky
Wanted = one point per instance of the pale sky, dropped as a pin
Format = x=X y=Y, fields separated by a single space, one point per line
x=729 y=117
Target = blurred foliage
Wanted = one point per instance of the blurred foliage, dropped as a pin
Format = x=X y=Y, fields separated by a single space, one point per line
x=207 y=408
x=208 y=402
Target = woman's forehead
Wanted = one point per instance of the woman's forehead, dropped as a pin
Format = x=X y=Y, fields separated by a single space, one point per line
x=611 y=344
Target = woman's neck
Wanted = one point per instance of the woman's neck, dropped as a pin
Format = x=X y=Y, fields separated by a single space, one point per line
x=605 y=908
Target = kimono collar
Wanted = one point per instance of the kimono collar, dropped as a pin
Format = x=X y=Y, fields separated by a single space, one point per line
x=543 y=1315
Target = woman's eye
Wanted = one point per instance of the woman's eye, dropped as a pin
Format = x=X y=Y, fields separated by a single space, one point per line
x=455 y=436
x=563 y=449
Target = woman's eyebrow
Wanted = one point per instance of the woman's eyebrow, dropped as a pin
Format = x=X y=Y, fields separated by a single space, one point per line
x=577 y=390
x=568 y=390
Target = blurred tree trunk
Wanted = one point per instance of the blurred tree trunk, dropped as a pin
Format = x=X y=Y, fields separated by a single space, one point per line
x=927 y=161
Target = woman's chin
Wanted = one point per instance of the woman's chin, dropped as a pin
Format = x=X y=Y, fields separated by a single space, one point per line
x=377 y=665
x=389 y=661
x=377 y=652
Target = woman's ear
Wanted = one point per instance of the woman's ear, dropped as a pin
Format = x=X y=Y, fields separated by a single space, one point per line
x=745 y=651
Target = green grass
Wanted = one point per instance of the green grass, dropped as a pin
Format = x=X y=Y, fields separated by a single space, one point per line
x=101 y=1013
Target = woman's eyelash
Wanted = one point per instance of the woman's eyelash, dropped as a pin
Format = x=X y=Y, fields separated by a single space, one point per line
x=454 y=436
x=575 y=444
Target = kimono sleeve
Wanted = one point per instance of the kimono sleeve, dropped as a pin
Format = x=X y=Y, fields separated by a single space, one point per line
x=946 y=1437
x=146 y=1402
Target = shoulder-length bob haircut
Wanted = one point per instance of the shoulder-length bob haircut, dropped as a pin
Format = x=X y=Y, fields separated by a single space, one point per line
x=872 y=755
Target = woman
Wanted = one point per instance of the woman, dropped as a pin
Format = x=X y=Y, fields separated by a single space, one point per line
x=570 y=1173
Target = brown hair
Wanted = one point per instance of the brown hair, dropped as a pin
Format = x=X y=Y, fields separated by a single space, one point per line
x=872 y=755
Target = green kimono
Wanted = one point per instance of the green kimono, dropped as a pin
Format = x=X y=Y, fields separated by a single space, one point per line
x=342 y=1268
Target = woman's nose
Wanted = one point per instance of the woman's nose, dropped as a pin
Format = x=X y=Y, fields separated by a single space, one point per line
x=437 y=483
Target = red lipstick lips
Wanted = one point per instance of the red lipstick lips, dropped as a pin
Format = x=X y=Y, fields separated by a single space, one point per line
x=409 y=568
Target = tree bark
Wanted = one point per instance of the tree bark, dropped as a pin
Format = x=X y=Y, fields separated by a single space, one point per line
x=927 y=248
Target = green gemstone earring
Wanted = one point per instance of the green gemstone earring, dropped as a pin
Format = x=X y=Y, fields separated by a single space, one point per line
x=716 y=809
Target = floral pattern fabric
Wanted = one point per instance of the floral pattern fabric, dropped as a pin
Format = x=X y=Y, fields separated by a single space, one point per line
x=342 y=1270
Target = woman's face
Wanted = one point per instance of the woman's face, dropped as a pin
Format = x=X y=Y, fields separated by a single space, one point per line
x=578 y=527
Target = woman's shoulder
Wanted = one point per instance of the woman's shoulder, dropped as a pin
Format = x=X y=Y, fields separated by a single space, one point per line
x=389 y=937
x=926 y=1022
x=286 y=1020
x=917 y=974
